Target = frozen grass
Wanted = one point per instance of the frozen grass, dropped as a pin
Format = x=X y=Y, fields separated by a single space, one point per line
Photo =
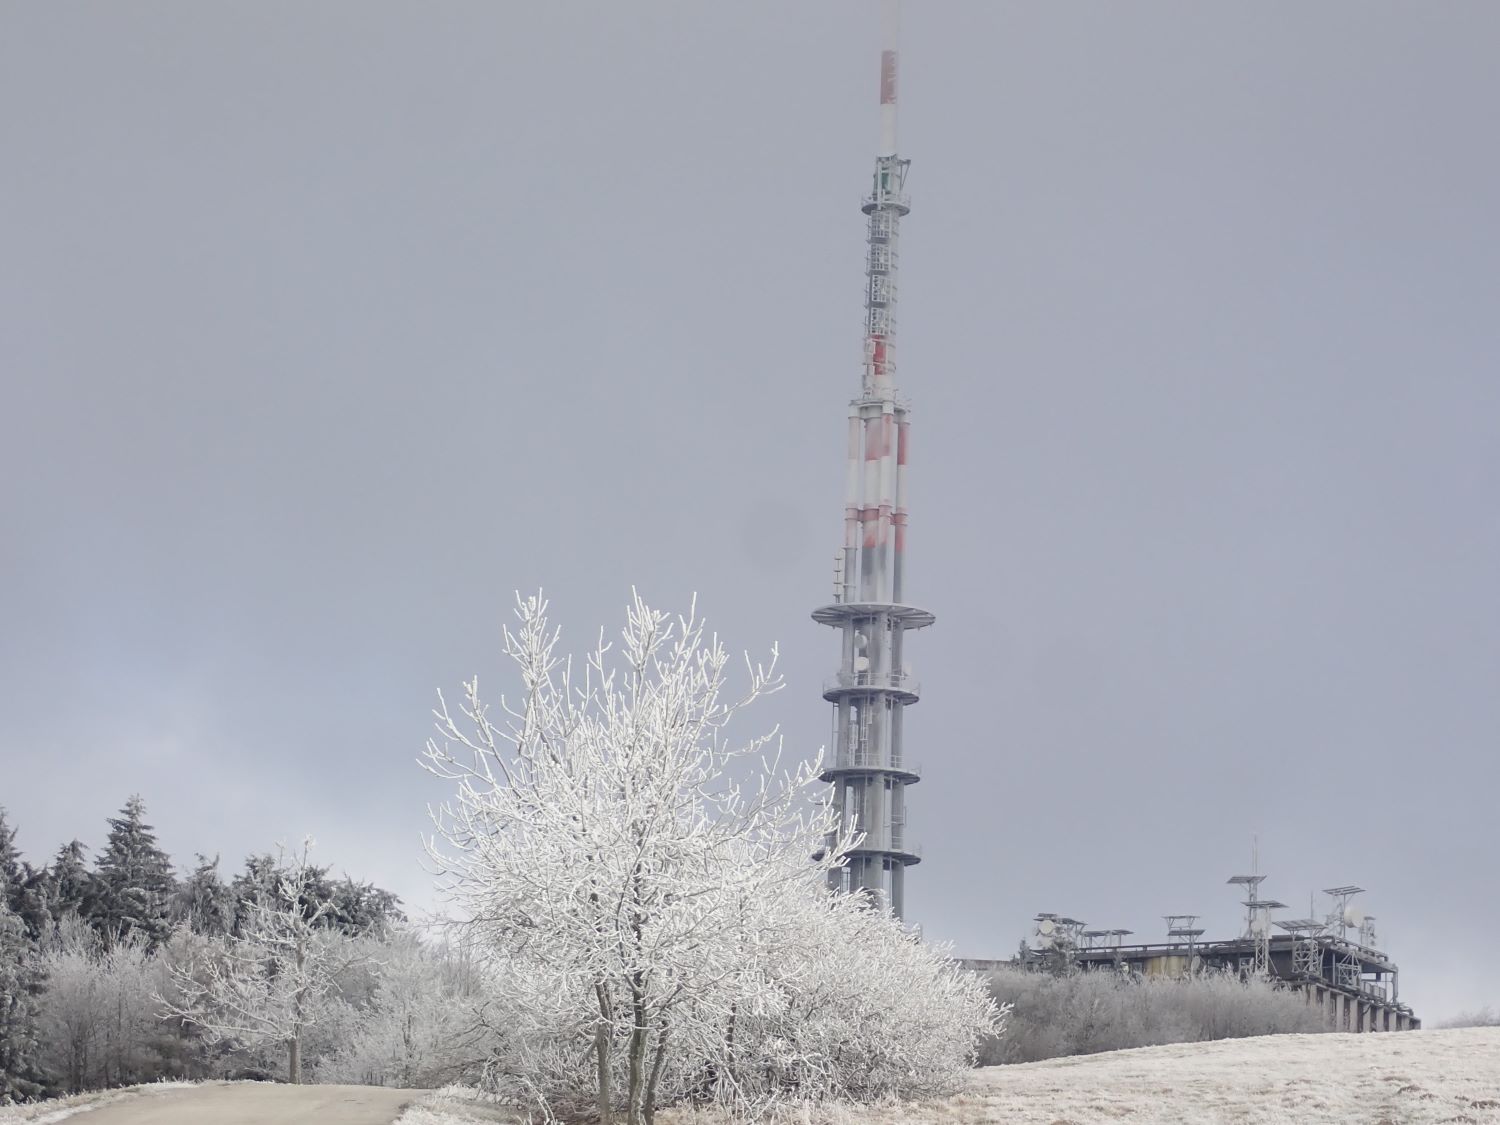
x=1407 y=1078
x=60 y=1109
x=458 y=1105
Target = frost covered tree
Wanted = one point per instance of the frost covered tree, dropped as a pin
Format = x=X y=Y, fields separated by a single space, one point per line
x=71 y=1028
x=21 y=984
x=423 y=1025
x=649 y=887
x=70 y=884
x=22 y=887
x=135 y=882
x=99 y=1025
x=11 y=874
x=204 y=901
x=268 y=984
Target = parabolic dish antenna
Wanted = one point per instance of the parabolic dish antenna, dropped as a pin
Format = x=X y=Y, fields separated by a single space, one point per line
x=1045 y=927
x=1354 y=916
x=861 y=663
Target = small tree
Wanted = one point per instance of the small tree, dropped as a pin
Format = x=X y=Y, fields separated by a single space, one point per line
x=268 y=983
x=643 y=905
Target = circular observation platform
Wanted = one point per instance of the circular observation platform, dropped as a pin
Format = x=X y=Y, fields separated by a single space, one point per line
x=908 y=855
x=903 y=688
x=858 y=765
x=898 y=202
x=907 y=616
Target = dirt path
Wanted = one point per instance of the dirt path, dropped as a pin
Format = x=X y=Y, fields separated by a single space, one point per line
x=258 y=1103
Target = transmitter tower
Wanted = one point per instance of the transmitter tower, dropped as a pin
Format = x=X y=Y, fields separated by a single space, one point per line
x=869 y=769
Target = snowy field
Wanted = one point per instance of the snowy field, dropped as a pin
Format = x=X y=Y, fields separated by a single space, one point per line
x=1411 y=1078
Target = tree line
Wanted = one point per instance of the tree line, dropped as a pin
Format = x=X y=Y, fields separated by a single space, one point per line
x=1075 y=1012
x=131 y=890
x=100 y=964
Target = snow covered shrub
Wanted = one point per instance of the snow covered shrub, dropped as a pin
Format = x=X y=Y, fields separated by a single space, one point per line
x=423 y=1025
x=1087 y=1012
x=647 y=896
x=99 y=1025
x=1484 y=1017
x=861 y=1011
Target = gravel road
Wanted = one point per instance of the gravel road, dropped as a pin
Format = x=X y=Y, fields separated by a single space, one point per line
x=258 y=1103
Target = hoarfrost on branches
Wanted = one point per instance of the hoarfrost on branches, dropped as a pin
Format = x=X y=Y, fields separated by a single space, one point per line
x=268 y=984
x=658 y=917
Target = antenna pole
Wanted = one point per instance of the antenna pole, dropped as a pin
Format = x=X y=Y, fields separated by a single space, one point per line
x=890 y=36
x=869 y=769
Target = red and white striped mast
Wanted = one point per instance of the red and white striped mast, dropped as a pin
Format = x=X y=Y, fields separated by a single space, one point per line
x=868 y=766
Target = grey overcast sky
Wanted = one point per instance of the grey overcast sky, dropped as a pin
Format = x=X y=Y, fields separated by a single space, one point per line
x=325 y=326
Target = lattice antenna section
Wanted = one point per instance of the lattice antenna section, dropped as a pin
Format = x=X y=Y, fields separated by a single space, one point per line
x=1257 y=923
x=1307 y=946
x=1344 y=914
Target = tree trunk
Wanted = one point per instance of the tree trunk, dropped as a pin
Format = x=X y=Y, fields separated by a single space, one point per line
x=638 y=1038
x=601 y=1057
x=294 y=1060
x=656 y=1065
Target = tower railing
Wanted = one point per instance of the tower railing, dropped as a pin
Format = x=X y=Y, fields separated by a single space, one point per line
x=876 y=681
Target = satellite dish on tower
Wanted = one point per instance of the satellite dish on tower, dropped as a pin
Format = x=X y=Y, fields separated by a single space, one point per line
x=1045 y=927
x=861 y=663
x=1354 y=916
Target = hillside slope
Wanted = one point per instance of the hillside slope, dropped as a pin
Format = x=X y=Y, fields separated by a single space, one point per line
x=1410 y=1078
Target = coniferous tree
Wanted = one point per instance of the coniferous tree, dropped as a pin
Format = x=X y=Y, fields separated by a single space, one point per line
x=70 y=884
x=21 y=985
x=204 y=901
x=135 y=879
x=11 y=875
x=257 y=884
x=23 y=888
x=362 y=908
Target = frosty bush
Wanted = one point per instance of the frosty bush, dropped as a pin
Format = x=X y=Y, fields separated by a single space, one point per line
x=1088 y=1012
x=99 y=1025
x=423 y=1026
x=662 y=928
x=1484 y=1017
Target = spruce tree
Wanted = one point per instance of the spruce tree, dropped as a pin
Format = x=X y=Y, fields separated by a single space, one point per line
x=21 y=983
x=23 y=888
x=11 y=875
x=204 y=901
x=70 y=884
x=134 y=879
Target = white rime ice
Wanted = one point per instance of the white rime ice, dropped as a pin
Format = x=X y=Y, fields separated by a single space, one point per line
x=268 y=984
x=650 y=892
